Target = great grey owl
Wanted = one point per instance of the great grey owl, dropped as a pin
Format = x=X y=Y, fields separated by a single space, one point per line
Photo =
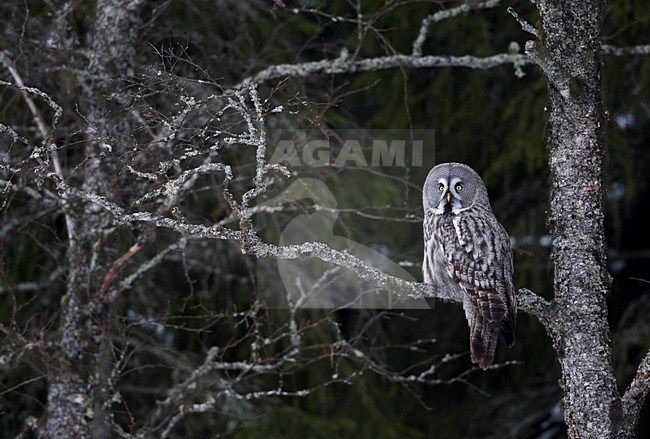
x=468 y=256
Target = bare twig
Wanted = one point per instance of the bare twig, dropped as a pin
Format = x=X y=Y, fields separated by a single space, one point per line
x=523 y=23
x=116 y=267
x=177 y=224
x=622 y=51
x=443 y=15
x=48 y=135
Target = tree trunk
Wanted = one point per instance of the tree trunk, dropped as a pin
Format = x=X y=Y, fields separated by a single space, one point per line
x=571 y=58
x=76 y=385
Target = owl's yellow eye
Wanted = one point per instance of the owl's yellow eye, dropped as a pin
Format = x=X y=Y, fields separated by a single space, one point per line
x=441 y=187
x=459 y=187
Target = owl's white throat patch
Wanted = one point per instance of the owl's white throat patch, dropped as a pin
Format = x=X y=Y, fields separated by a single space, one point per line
x=452 y=208
x=457 y=210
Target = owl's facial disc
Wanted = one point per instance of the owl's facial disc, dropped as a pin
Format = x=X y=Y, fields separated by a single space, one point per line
x=451 y=196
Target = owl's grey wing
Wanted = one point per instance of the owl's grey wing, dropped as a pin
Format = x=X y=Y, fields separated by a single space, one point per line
x=480 y=259
x=435 y=265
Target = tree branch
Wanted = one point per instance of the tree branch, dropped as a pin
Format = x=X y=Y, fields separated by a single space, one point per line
x=443 y=15
x=622 y=51
x=553 y=73
x=533 y=304
x=526 y=26
x=402 y=289
x=634 y=397
x=177 y=224
x=48 y=135
x=341 y=66
x=115 y=268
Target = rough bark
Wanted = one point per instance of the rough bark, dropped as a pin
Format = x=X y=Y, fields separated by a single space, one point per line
x=75 y=404
x=633 y=399
x=571 y=56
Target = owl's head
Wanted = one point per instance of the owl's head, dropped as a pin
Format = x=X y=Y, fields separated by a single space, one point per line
x=453 y=188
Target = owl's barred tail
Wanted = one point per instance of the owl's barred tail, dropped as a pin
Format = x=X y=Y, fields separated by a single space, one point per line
x=483 y=343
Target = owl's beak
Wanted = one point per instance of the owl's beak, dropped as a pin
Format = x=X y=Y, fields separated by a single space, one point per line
x=448 y=197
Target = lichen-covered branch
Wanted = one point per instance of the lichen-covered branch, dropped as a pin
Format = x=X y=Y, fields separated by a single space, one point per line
x=343 y=66
x=634 y=398
x=553 y=73
x=443 y=15
x=623 y=51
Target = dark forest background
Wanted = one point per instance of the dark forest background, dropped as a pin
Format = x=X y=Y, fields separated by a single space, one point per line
x=491 y=119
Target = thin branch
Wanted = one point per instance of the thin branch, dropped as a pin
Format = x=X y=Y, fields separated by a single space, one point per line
x=622 y=51
x=48 y=135
x=177 y=224
x=148 y=265
x=17 y=137
x=115 y=268
x=343 y=65
x=526 y=26
x=443 y=15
